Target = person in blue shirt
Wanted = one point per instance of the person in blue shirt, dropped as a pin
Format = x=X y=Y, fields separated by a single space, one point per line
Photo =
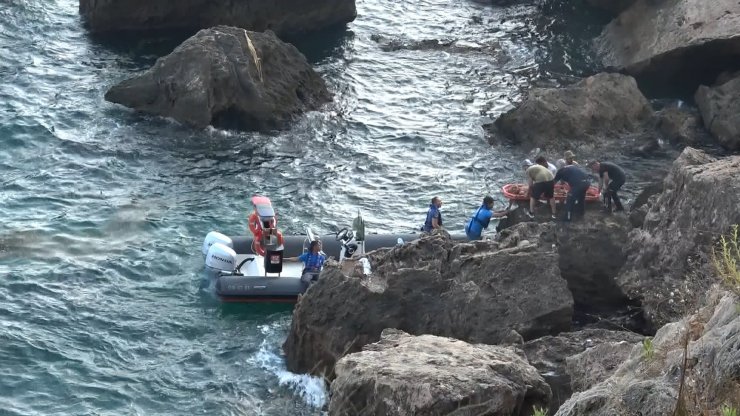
x=579 y=182
x=313 y=261
x=482 y=217
x=434 y=216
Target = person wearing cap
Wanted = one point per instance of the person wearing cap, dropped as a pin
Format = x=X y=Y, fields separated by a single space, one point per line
x=434 y=216
x=611 y=179
x=579 y=181
x=569 y=158
x=540 y=180
x=482 y=218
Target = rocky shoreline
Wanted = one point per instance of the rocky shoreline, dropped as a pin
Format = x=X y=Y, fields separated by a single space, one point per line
x=408 y=340
x=613 y=315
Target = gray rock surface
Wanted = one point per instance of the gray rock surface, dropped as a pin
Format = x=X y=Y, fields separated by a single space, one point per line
x=214 y=76
x=281 y=16
x=591 y=113
x=720 y=111
x=549 y=356
x=596 y=364
x=429 y=375
x=668 y=263
x=648 y=384
x=482 y=293
x=662 y=40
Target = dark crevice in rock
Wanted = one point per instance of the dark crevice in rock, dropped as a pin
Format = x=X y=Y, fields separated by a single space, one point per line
x=678 y=74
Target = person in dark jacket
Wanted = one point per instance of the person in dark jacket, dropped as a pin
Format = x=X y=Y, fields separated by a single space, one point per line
x=434 y=216
x=579 y=182
x=611 y=179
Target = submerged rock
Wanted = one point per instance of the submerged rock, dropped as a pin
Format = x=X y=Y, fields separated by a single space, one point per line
x=429 y=375
x=668 y=265
x=673 y=43
x=720 y=110
x=482 y=293
x=593 y=112
x=647 y=383
x=216 y=77
x=281 y=16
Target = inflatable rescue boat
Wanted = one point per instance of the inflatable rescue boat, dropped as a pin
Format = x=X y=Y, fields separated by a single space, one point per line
x=259 y=268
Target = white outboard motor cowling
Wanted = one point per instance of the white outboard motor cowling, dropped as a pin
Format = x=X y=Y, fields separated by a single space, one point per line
x=215 y=237
x=220 y=258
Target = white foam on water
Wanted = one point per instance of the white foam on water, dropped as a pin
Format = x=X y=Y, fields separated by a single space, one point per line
x=311 y=389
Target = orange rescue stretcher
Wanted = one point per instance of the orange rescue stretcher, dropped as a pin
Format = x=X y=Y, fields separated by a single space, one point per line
x=520 y=192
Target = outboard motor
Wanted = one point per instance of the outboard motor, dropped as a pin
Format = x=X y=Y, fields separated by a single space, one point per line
x=215 y=237
x=220 y=259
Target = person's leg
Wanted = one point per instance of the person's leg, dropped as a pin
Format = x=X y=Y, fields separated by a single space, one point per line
x=531 y=204
x=580 y=196
x=614 y=187
x=569 y=202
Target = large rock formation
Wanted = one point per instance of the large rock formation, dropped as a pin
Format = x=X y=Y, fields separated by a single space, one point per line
x=590 y=253
x=720 y=110
x=596 y=364
x=668 y=260
x=428 y=375
x=591 y=113
x=549 y=355
x=648 y=382
x=226 y=75
x=487 y=292
x=281 y=16
x=662 y=41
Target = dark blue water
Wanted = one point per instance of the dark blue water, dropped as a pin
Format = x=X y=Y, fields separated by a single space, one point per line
x=103 y=210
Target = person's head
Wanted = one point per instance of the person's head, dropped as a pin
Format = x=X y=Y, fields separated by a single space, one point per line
x=569 y=157
x=594 y=165
x=315 y=246
x=541 y=161
x=437 y=202
x=488 y=201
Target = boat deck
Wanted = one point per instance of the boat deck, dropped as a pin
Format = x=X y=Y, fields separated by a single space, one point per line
x=256 y=267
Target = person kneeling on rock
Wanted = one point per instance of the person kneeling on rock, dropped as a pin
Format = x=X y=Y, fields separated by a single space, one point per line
x=313 y=261
x=482 y=217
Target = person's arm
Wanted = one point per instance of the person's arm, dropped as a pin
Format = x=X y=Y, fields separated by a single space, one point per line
x=435 y=221
x=605 y=181
x=503 y=213
x=302 y=258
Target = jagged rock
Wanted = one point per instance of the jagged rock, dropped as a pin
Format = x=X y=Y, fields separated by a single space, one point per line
x=429 y=375
x=549 y=356
x=479 y=293
x=591 y=113
x=681 y=125
x=666 y=41
x=647 y=383
x=213 y=77
x=668 y=260
x=281 y=16
x=639 y=208
x=590 y=255
x=720 y=110
x=596 y=364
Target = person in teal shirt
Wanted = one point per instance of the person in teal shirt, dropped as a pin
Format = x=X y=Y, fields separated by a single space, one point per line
x=482 y=217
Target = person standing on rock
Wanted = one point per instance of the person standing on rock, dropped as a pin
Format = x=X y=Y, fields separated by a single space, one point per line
x=540 y=180
x=611 y=179
x=482 y=217
x=579 y=182
x=434 y=216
